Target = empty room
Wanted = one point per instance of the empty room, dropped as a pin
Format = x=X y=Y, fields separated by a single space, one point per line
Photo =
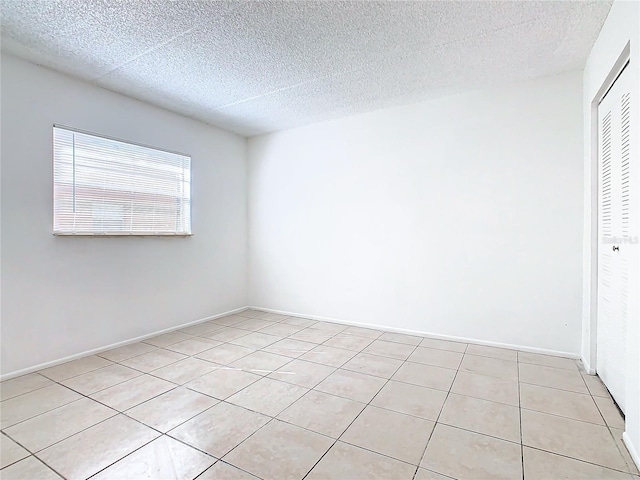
x=320 y=240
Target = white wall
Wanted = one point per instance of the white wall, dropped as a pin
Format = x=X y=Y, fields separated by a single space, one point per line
x=460 y=216
x=621 y=28
x=62 y=295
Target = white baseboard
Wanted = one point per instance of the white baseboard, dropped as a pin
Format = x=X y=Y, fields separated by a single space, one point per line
x=633 y=452
x=53 y=363
x=385 y=328
x=587 y=367
x=426 y=334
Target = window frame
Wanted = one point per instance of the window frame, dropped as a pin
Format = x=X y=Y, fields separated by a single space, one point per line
x=116 y=233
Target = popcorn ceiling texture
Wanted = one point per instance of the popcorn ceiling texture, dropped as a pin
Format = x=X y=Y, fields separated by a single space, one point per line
x=257 y=67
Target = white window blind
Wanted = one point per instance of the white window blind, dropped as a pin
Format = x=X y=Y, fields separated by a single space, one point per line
x=103 y=186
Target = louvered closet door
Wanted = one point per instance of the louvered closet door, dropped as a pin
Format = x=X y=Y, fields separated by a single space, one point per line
x=616 y=224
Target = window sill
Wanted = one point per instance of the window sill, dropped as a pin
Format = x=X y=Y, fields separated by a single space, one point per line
x=65 y=234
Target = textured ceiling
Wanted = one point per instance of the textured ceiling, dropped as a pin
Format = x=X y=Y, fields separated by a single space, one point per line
x=254 y=67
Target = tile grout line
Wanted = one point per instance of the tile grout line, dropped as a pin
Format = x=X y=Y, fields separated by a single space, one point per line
x=357 y=416
x=175 y=387
x=579 y=460
x=520 y=417
x=275 y=418
x=118 y=412
x=435 y=424
x=266 y=376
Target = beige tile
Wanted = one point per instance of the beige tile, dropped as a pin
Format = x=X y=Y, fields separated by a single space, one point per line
x=375 y=365
x=236 y=318
x=268 y=396
x=224 y=471
x=401 y=338
x=617 y=435
x=487 y=388
x=132 y=392
x=390 y=433
x=468 y=455
x=547 y=360
x=225 y=354
x=153 y=360
x=390 y=349
x=91 y=450
x=193 y=346
x=24 y=384
x=610 y=412
x=280 y=450
x=363 y=332
x=249 y=313
x=261 y=363
x=313 y=335
x=164 y=458
x=254 y=324
x=227 y=334
x=201 y=329
x=482 y=416
x=256 y=340
x=302 y=322
x=344 y=461
x=491 y=367
x=290 y=348
x=552 y=377
x=252 y=313
x=348 y=342
x=97 y=380
x=578 y=406
x=322 y=413
x=352 y=385
x=443 y=345
x=334 y=357
x=29 y=469
x=595 y=386
x=425 y=375
x=223 y=382
x=281 y=329
x=10 y=451
x=300 y=372
x=51 y=427
x=75 y=368
x=572 y=438
x=539 y=465
x=437 y=358
x=170 y=409
x=424 y=474
x=219 y=429
x=18 y=409
x=411 y=399
x=185 y=370
x=127 y=351
x=273 y=317
x=334 y=328
x=167 y=339
x=492 y=352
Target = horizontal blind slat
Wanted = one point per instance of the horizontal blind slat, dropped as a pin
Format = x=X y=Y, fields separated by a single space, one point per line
x=104 y=186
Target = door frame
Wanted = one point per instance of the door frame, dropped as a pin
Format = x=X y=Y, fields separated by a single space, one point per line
x=608 y=82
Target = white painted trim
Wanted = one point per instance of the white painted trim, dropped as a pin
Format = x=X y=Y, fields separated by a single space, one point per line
x=385 y=328
x=633 y=452
x=53 y=363
x=587 y=366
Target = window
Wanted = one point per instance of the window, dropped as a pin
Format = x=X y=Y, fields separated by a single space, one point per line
x=108 y=187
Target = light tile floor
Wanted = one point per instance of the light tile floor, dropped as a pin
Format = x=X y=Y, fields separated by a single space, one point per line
x=261 y=395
